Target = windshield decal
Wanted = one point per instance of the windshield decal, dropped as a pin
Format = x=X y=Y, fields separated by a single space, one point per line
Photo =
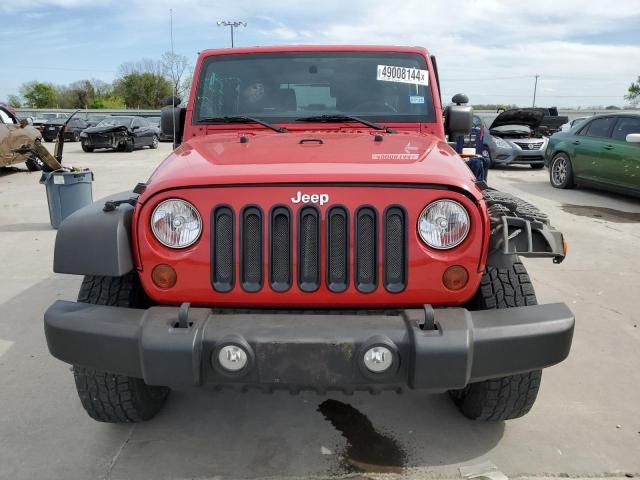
x=416 y=99
x=414 y=76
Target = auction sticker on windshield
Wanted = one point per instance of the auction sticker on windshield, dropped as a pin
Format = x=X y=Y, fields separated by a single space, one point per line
x=415 y=76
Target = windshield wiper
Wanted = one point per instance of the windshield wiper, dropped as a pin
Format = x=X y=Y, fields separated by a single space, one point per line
x=242 y=119
x=339 y=117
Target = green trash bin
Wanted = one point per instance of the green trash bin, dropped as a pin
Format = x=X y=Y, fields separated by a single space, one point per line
x=66 y=193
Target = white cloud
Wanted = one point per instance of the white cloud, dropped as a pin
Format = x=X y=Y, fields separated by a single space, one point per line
x=475 y=40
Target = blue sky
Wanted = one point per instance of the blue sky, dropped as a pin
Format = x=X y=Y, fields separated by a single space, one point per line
x=586 y=52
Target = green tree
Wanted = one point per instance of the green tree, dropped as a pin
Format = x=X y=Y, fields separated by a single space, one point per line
x=14 y=101
x=634 y=92
x=39 y=95
x=107 y=101
x=143 y=89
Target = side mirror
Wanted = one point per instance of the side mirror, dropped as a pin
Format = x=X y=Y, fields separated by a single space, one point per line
x=135 y=127
x=633 y=138
x=458 y=118
x=171 y=101
x=172 y=119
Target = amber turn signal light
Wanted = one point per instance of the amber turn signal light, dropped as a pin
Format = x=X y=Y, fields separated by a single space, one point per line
x=455 y=277
x=164 y=276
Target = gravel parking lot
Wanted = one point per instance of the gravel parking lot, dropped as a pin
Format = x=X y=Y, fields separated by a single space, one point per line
x=586 y=422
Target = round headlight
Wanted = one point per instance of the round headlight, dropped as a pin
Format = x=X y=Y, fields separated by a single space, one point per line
x=176 y=223
x=443 y=224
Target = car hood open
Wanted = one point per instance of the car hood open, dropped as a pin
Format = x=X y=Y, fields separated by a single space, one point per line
x=531 y=117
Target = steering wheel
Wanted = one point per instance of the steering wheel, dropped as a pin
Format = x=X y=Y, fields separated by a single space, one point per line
x=374 y=106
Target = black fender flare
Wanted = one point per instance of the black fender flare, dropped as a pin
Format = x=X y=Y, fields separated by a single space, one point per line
x=97 y=241
x=519 y=229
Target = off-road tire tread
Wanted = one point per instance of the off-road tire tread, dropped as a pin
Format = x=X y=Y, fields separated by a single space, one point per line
x=122 y=291
x=115 y=398
x=512 y=396
x=109 y=397
x=505 y=288
x=514 y=205
x=502 y=398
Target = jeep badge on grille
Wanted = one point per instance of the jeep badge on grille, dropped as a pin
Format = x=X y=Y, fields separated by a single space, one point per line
x=320 y=198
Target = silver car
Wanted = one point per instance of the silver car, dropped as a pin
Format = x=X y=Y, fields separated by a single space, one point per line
x=514 y=138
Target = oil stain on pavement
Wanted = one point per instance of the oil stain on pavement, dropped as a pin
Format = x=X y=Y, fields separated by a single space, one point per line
x=602 y=213
x=367 y=450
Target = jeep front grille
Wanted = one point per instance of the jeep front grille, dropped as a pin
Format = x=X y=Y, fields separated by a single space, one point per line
x=337 y=249
x=312 y=257
x=251 y=235
x=222 y=249
x=366 y=250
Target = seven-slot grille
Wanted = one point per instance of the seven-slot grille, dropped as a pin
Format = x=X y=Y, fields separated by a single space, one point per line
x=377 y=239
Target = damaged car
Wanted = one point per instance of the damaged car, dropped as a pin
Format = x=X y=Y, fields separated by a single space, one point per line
x=517 y=138
x=123 y=134
x=21 y=142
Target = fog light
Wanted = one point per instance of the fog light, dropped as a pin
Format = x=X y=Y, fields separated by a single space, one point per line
x=232 y=358
x=378 y=359
x=164 y=276
x=455 y=277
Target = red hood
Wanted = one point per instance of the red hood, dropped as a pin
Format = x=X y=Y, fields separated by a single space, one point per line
x=346 y=157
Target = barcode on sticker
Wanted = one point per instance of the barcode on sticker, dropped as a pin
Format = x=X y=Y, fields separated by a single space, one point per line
x=414 y=76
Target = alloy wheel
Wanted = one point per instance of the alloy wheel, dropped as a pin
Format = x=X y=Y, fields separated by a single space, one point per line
x=559 y=171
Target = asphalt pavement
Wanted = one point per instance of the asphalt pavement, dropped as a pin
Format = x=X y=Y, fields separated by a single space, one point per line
x=586 y=422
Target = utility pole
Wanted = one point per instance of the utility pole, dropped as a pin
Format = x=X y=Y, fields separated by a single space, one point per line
x=232 y=24
x=535 y=89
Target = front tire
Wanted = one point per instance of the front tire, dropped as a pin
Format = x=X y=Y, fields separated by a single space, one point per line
x=154 y=143
x=32 y=164
x=86 y=148
x=486 y=153
x=561 y=171
x=509 y=397
x=109 y=397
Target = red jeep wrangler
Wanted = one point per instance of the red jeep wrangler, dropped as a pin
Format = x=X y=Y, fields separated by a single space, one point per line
x=313 y=230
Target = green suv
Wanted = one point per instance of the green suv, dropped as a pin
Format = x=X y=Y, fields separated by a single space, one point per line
x=601 y=152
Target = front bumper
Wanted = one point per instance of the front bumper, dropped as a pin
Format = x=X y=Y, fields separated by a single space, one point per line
x=317 y=350
x=107 y=140
x=514 y=155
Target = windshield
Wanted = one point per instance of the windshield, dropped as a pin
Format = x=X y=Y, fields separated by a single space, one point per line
x=377 y=86
x=115 y=122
